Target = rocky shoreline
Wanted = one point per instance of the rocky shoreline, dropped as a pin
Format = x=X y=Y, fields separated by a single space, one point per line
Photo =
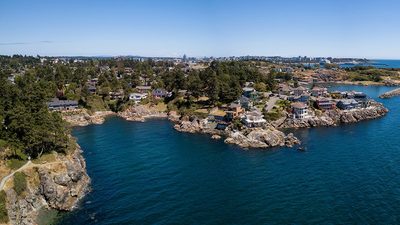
x=270 y=135
x=334 y=117
x=141 y=112
x=392 y=93
x=262 y=137
x=56 y=185
x=82 y=117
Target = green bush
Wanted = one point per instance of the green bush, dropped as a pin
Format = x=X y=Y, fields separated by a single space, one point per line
x=273 y=115
x=20 y=184
x=3 y=208
x=14 y=163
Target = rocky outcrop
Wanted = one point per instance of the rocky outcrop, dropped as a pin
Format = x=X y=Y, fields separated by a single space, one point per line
x=57 y=185
x=247 y=138
x=216 y=137
x=173 y=116
x=391 y=93
x=82 y=117
x=196 y=125
x=141 y=113
x=261 y=138
x=336 y=117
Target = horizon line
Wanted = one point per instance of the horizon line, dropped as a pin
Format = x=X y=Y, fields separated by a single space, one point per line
x=197 y=57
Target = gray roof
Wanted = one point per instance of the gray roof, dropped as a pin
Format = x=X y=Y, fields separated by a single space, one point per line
x=62 y=103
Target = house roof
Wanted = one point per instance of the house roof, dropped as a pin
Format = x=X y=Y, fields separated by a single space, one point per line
x=57 y=102
x=218 y=113
x=348 y=101
x=254 y=113
x=248 y=89
x=234 y=105
x=298 y=105
x=300 y=88
x=143 y=87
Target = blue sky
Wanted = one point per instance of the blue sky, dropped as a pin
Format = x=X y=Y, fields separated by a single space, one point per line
x=338 y=28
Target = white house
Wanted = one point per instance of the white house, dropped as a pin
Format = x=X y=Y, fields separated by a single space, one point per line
x=254 y=119
x=299 y=110
x=137 y=97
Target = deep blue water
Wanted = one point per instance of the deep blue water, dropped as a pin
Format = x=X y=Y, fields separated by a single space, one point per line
x=379 y=63
x=147 y=173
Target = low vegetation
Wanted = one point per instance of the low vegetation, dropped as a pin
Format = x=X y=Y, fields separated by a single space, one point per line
x=368 y=73
x=3 y=208
x=20 y=183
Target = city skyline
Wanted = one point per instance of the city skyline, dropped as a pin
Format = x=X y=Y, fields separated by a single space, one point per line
x=209 y=28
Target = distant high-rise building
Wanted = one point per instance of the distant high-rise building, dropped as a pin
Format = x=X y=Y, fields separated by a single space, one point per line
x=184 y=58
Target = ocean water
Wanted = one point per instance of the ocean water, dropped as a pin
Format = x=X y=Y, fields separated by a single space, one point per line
x=147 y=173
x=378 y=63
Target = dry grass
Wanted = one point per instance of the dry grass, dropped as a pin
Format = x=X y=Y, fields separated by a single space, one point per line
x=46 y=158
x=205 y=111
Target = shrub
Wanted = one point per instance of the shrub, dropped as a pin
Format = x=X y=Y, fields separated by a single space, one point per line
x=14 y=163
x=20 y=184
x=3 y=208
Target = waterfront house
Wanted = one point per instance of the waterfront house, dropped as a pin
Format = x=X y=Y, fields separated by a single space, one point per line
x=254 y=119
x=359 y=95
x=299 y=110
x=247 y=91
x=62 y=105
x=303 y=98
x=325 y=104
x=299 y=91
x=160 y=93
x=284 y=89
x=235 y=110
x=318 y=92
x=245 y=102
x=346 y=104
x=361 y=98
x=114 y=95
x=137 y=97
x=250 y=93
x=143 y=89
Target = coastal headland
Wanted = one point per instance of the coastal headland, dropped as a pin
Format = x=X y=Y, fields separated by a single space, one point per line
x=249 y=102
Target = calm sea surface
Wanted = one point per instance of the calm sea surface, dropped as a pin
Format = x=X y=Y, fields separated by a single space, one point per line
x=147 y=173
x=379 y=63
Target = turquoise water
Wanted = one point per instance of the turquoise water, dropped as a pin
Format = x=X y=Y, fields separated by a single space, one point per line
x=147 y=173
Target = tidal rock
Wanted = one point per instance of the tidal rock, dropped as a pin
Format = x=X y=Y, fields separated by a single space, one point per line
x=261 y=138
x=216 y=137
